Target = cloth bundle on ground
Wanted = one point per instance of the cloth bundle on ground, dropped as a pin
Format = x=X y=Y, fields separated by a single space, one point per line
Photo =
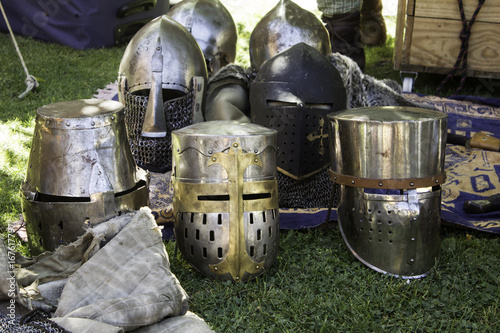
x=115 y=278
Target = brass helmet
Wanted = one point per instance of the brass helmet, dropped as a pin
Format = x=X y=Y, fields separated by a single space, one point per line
x=161 y=82
x=226 y=198
x=283 y=26
x=212 y=26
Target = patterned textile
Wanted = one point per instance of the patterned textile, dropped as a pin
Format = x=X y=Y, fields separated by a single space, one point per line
x=160 y=202
x=471 y=174
x=333 y=7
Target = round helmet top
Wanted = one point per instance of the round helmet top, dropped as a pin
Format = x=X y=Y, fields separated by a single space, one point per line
x=179 y=51
x=212 y=26
x=299 y=75
x=283 y=26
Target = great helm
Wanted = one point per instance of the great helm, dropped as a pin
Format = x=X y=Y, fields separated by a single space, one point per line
x=81 y=172
x=226 y=198
x=212 y=26
x=292 y=93
x=161 y=82
x=389 y=162
x=283 y=26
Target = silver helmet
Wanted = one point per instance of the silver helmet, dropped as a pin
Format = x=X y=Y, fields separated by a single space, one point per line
x=292 y=93
x=389 y=162
x=81 y=172
x=226 y=198
x=212 y=26
x=161 y=82
x=283 y=26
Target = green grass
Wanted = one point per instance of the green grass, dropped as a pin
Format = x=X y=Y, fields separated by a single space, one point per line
x=316 y=284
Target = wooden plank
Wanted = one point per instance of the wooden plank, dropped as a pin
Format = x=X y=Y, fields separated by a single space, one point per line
x=448 y=9
x=400 y=33
x=435 y=43
x=407 y=46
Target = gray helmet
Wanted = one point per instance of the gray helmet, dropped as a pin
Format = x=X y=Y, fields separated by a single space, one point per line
x=161 y=82
x=292 y=93
x=389 y=162
x=212 y=26
x=226 y=198
x=80 y=173
x=285 y=25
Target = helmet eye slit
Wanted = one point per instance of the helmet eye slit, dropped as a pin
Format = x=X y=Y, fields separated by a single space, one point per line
x=223 y=197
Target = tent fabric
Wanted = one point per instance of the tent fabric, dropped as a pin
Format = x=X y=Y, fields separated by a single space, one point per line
x=115 y=278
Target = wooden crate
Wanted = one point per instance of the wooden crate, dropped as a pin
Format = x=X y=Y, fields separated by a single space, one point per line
x=427 y=37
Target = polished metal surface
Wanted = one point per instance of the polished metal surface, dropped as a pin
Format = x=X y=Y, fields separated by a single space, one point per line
x=390 y=164
x=395 y=234
x=161 y=82
x=388 y=142
x=212 y=26
x=293 y=93
x=80 y=171
x=283 y=26
x=182 y=58
x=226 y=198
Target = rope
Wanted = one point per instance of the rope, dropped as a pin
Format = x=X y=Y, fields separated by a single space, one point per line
x=464 y=47
x=30 y=81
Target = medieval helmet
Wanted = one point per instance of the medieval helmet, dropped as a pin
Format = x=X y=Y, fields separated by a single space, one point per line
x=226 y=198
x=293 y=93
x=389 y=163
x=212 y=26
x=161 y=82
x=81 y=172
x=283 y=26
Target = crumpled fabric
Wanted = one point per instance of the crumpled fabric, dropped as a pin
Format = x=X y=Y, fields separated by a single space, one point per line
x=115 y=278
x=363 y=90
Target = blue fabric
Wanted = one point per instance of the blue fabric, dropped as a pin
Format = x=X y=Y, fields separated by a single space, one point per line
x=478 y=100
x=471 y=174
x=78 y=24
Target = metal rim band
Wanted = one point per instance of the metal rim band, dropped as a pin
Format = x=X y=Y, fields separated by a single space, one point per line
x=389 y=184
